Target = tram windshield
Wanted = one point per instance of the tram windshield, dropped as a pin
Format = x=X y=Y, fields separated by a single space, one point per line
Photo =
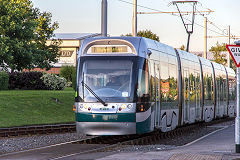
x=109 y=79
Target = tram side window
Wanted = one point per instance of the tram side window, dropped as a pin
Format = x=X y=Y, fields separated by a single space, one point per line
x=143 y=83
x=232 y=89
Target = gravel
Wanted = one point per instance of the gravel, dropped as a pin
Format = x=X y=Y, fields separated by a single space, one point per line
x=29 y=142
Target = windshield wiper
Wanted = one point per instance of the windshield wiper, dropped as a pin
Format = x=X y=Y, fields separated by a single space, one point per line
x=93 y=93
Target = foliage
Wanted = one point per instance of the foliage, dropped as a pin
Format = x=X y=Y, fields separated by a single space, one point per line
x=232 y=64
x=216 y=50
x=54 y=82
x=147 y=34
x=74 y=75
x=26 y=80
x=24 y=32
x=182 y=48
x=29 y=107
x=4 y=80
x=67 y=72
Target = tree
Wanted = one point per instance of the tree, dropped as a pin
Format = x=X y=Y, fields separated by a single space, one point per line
x=24 y=31
x=216 y=50
x=182 y=48
x=147 y=34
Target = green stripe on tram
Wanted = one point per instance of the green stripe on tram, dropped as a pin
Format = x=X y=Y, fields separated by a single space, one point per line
x=107 y=117
x=145 y=126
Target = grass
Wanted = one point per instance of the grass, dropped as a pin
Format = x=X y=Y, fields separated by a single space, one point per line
x=28 y=107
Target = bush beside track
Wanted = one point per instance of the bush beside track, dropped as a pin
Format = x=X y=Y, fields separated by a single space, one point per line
x=30 y=107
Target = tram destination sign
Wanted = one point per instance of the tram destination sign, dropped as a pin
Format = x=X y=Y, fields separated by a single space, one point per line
x=234 y=51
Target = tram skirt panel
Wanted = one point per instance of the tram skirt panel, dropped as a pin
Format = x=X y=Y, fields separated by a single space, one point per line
x=145 y=121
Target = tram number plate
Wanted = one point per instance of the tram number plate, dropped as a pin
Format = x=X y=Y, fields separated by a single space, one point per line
x=104 y=109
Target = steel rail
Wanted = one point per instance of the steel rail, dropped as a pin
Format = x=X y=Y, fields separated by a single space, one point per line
x=37 y=129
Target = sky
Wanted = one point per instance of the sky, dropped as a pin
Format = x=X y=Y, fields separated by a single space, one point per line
x=84 y=16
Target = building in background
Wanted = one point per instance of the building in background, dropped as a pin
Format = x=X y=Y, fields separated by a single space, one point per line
x=69 y=47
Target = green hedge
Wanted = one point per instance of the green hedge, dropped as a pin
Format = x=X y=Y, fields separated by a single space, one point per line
x=67 y=72
x=4 y=78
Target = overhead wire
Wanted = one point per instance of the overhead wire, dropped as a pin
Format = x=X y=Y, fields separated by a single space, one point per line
x=170 y=14
x=210 y=22
x=217 y=26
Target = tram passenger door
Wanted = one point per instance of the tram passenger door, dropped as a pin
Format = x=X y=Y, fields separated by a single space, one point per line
x=218 y=97
x=197 y=89
x=186 y=101
x=157 y=96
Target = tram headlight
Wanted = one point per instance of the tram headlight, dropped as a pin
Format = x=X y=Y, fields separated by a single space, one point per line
x=85 y=106
x=124 y=106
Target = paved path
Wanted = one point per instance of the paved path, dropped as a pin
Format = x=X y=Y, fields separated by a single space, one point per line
x=216 y=146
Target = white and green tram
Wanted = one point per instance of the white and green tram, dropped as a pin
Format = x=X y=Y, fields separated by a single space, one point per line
x=134 y=85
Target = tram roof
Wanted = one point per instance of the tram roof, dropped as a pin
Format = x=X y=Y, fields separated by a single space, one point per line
x=145 y=43
x=74 y=36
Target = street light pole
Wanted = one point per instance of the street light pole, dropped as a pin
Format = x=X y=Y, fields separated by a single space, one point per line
x=104 y=18
x=134 y=18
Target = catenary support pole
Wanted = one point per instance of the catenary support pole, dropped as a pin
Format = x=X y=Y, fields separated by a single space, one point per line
x=205 y=38
x=188 y=41
x=237 y=120
x=229 y=39
x=104 y=18
x=134 y=18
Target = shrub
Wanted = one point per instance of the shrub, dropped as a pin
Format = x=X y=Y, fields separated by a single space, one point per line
x=67 y=72
x=74 y=80
x=4 y=77
x=54 y=82
x=26 y=80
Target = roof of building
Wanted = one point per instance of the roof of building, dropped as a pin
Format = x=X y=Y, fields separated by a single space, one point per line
x=74 y=36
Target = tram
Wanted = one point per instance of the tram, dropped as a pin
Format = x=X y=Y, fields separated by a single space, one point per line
x=135 y=85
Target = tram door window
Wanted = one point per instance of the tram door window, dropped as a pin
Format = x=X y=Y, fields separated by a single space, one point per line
x=217 y=93
x=225 y=92
x=221 y=93
x=198 y=103
x=152 y=81
x=192 y=92
x=164 y=85
x=157 y=107
x=208 y=89
x=143 y=83
x=173 y=91
x=186 y=95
